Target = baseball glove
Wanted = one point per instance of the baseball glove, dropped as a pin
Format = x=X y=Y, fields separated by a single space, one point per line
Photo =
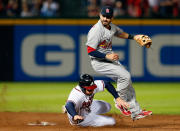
x=143 y=40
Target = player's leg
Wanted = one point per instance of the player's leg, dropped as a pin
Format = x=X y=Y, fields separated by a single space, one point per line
x=97 y=120
x=126 y=91
x=100 y=107
x=128 y=94
x=115 y=71
x=124 y=87
x=137 y=113
x=93 y=119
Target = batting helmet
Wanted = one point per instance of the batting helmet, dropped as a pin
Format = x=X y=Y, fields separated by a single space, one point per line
x=86 y=82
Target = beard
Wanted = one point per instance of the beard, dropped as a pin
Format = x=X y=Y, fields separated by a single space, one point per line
x=105 y=22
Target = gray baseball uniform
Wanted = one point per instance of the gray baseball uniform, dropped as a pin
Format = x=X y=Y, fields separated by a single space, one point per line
x=100 y=39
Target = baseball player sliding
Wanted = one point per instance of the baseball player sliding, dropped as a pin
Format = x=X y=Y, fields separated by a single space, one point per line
x=82 y=110
x=106 y=62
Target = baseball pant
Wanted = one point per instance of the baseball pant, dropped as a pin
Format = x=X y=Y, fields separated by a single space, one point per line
x=96 y=120
x=119 y=74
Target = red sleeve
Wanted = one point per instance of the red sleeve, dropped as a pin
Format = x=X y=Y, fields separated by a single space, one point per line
x=90 y=49
x=103 y=84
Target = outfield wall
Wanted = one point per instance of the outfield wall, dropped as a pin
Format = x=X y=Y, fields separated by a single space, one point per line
x=54 y=50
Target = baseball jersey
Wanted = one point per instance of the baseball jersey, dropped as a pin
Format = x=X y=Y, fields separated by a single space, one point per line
x=83 y=102
x=100 y=38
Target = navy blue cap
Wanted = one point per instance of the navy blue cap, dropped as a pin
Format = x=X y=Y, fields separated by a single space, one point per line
x=107 y=11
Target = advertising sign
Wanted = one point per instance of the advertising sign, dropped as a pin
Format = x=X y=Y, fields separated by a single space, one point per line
x=58 y=53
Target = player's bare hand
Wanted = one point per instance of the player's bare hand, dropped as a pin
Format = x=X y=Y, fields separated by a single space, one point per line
x=112 y=56
x=120 y=102
x=78 y=118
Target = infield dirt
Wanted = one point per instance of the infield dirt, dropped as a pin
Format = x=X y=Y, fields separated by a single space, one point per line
x=11 y=121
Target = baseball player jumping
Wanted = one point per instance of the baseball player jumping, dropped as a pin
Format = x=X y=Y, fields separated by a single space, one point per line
x=106 y=62
x=82 y=110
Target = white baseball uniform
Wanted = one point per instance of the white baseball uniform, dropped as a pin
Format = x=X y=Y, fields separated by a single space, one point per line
x=100 y=38
x=90 y=109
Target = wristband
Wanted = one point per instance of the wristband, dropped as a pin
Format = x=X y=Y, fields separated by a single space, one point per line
x=131 y=36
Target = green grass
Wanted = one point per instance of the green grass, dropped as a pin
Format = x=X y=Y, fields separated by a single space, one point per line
x=161 y=98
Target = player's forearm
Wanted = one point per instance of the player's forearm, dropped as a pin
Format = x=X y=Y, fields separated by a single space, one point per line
x=93 y=52
x=97 y=54
x=111 y=89
x=70 y=107
x=125 y=35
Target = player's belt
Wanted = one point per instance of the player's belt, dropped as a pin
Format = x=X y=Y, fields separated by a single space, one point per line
x=101 y=60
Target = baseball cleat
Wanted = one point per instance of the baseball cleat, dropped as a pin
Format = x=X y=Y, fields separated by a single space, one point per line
x=123 y=110
x=142 y=115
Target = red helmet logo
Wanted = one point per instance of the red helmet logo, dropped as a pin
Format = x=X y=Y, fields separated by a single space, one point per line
x=107 y=10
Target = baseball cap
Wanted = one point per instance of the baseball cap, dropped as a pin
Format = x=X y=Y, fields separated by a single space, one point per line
x=107 y=11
